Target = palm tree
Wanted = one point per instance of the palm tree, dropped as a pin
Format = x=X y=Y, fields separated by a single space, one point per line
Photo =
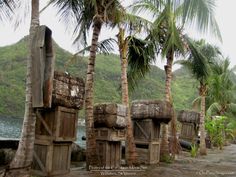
x=169 y=38
x=125 y=44
x=93 y=13
x=131 y=156
x=170 y=41
x=201 y=55
x=20 y=165
x=221 y=91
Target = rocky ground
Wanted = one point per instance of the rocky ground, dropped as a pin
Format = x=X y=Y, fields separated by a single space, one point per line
x=218 y=163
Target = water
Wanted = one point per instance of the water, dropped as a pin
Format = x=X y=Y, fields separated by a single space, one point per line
x=11 y=128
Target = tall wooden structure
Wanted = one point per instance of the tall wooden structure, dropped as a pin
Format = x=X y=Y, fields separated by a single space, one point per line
x=147 y=115
x=56 y=127
x=57 y=97
x=189 y=124
x=110 y=121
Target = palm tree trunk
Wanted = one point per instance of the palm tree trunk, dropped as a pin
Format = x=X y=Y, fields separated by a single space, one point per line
x=202 y=92
x=91 y=155
x=164 y=139
x=131 y=156
x=168 y=70
x=20 y=166
x=168 y=97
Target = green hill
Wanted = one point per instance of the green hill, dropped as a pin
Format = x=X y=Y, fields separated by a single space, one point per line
x=107 y=79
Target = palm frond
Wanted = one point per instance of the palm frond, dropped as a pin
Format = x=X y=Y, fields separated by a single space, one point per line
x=105 y=46
x=135 y=23
x=222 y=87
x=199 y=62
x=196 y=103
x=166 y=32
x=201 y=13
x=232 y=108
x=140 y=57
x=186 y=63
x=146 y=6
x=7 y=8
x=213 y=109
x=77 y=15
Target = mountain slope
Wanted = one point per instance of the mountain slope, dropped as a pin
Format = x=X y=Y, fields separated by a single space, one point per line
x=107 y=79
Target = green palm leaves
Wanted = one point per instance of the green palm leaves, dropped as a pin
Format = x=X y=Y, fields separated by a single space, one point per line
x=221 y=91
x=6 y=8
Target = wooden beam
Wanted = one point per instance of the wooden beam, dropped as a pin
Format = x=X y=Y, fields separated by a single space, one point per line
x=38 y=115
x=42 y=167
x=144 y=133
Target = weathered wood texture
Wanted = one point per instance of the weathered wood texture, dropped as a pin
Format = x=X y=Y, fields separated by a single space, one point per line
x=149 y=152
x=43 y=67
x=189 y=116
x=109 y=134
x=189 y=131
x=51 y=158
x=146 y=130
x=109 y=154
x=154 y=109
x=110 y=115
x=58 y=124
x=68 y=91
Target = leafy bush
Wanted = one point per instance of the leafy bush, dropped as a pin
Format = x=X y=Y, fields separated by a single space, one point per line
x=194 y=150
x=219 y=130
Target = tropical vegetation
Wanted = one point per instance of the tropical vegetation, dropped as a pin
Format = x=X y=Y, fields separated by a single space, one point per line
x=219 y=130
x=199 y=60
x=164 y=35
x=167 y=32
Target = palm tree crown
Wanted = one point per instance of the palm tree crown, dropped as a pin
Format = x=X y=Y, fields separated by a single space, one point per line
x=7 y=8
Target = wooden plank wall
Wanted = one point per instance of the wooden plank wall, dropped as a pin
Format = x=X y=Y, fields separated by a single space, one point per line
x=188 y=131
x=51 y=158
x=146 y=130
x=59 y=124
x=109 y=154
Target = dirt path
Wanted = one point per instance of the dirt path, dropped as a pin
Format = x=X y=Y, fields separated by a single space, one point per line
x=216 y=164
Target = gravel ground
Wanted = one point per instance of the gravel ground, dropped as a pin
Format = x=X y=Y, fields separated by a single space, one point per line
x=218 y=163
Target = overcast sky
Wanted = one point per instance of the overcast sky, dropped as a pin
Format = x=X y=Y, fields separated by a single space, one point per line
x=225 y=14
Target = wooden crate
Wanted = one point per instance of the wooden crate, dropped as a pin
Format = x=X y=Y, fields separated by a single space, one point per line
x=148 y=152
x=109 y=154
x=51 y=158
x=188 y=131
x=146 y=130
x=109 y=134
x=59 y=124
